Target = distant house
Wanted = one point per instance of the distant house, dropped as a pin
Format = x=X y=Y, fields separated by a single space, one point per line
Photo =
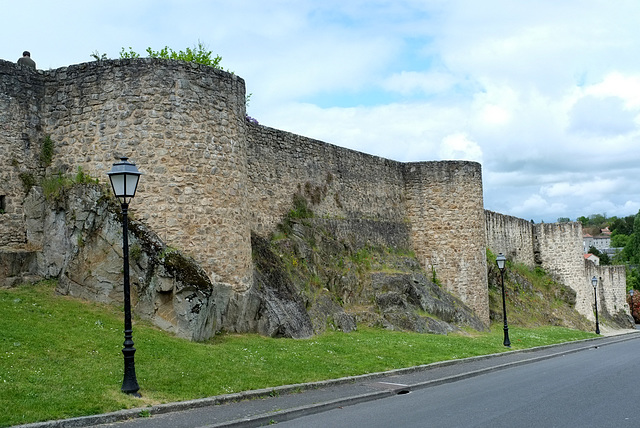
x=600 y=242
x=593 y=258
x=587 y=242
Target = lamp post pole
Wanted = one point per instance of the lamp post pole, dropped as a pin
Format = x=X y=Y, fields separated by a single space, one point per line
x=124 y=178
x=129 y=383
x=500 y=261
x=594 y=282
x=631 y=303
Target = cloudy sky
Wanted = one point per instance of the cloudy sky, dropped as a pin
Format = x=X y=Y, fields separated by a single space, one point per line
x=545 y=94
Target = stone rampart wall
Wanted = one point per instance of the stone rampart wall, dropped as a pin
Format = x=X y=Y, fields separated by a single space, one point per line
x=511 y=236
x=21 y=93
x=441 y=202
x=337 y=182
x=560 y=253
x=210 y=177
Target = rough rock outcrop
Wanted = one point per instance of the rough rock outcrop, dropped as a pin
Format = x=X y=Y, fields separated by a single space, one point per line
x=17 y=266
x=78 y=239
x=345 y=280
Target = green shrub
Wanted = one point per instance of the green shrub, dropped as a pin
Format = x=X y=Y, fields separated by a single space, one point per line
x=54 y=187
x=28 y=181
x=198 y=54
x=84 y=178
x=46 y=152
x=300 y=208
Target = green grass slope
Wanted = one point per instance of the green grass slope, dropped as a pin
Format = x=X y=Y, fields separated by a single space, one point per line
x=61 y=357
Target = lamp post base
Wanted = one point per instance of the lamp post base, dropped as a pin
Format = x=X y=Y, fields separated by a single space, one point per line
x=506 y=342
x=130 y=382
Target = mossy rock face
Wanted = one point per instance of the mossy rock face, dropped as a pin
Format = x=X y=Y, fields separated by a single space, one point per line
x=186 y=271
x=341 y=276
x=565 y=294
x=278 y=310
x=326 y=313
x=413 y=293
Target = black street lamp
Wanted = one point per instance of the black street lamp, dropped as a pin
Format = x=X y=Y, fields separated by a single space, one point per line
x=631 y=304
x=124 y=181
x=500 y=260
x=594 y=282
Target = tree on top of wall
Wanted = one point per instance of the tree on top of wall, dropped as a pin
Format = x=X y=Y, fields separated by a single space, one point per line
x=199 y=54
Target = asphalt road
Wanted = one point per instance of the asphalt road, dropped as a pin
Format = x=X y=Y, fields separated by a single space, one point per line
x=596 y=387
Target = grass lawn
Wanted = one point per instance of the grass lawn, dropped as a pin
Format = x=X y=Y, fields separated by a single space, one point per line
x=61 y=357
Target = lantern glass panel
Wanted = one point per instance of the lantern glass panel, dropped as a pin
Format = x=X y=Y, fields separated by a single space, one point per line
x=500 y=261
x=117 y=182
x=131 y=183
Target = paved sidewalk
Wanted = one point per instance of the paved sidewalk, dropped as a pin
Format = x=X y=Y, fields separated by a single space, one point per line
x=264 y=407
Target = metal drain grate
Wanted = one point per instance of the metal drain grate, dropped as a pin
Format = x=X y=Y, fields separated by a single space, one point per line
x=398 y=388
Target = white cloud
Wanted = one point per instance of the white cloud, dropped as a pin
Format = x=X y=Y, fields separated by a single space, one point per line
x=584 y=188
x=403 y=132
x=616 y=84
x=536 y=207
x=409 y=82
x=460 y=147
x=492 y=114
x=632 y=207
x=602 y=116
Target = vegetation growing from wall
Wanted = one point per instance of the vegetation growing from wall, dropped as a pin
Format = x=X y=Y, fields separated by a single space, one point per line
x=342 y=282
x=199 y=54
x=55 y=186
x=46 y=152
x=533 y=298
x=28 y=181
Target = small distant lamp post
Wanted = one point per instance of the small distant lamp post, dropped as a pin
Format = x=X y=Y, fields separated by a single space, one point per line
x=124 y=181
x=500 y=260
x=594 y=282
x=631 y=302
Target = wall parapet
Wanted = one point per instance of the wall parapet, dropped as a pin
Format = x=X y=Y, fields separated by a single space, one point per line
x=511 y=236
